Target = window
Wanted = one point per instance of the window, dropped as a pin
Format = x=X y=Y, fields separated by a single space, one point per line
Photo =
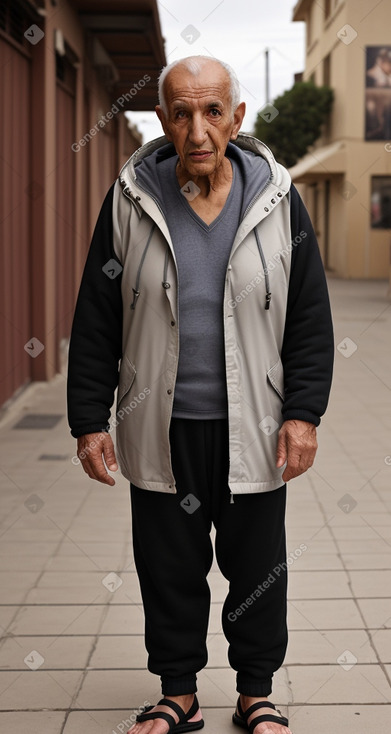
x=381 y=202
x=65 y=71
x=15 y=19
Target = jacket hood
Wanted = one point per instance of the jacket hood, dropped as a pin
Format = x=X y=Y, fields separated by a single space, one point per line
x=257 y=163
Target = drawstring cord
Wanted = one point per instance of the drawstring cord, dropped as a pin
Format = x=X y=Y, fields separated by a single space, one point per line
x=136 y=291
x=165 y=282
x=265 y=271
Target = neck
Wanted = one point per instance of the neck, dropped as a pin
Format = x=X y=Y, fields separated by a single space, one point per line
x=214 y=182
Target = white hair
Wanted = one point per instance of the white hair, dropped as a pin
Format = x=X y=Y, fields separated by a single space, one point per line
x=194 y=64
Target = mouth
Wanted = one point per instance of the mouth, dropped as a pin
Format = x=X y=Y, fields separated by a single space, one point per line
x=200 y=155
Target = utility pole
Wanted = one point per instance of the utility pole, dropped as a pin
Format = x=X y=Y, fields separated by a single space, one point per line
x=267 y=85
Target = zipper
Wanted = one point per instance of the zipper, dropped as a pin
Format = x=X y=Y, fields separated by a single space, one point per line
x=127 y=193
x=251 y=204
x=127 y=189
x=258 y=196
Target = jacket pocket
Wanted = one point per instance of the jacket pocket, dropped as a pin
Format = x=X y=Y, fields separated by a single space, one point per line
x=127 y=376
x=275 y=375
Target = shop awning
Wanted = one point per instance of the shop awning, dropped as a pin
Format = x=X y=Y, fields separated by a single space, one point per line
x=125 y=43
x=321 y=163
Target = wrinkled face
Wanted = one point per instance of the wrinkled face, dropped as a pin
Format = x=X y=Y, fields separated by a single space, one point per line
x=200 y=122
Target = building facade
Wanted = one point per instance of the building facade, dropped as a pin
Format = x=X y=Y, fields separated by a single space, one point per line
x=346 y=178
x=68 y=71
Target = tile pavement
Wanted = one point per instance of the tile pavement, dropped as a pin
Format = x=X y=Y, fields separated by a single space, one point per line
x=72 y=657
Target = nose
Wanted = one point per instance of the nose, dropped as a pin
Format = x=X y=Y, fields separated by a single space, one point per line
x=197 y=132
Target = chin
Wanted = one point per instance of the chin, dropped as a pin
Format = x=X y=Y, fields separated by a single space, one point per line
x=201 y=169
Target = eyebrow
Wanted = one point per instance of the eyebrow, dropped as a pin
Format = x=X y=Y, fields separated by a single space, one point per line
x=179 y=105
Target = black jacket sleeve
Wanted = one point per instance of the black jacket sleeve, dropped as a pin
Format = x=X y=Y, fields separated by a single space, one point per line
x=96 y=337
x=308 y=345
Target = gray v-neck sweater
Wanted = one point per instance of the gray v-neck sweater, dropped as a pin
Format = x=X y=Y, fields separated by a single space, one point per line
x=202 y=254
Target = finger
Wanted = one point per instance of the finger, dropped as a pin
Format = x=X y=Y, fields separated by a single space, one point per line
x=294 y=466
x=298 y=463
x=96 y=469
x=109 y=454
x=288 y=473
x=90 y=449
x=281 y=454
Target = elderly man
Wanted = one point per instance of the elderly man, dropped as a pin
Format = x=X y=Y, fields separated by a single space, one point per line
x=204 y=279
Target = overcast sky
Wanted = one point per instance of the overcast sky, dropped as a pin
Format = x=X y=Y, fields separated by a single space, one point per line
x=236 y=31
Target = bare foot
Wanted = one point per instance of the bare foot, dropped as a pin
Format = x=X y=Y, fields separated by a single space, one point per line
x=265 y=727
x=160 y=726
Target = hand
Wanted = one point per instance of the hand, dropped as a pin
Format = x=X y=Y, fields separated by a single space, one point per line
x=297 y=446
x=90 y=448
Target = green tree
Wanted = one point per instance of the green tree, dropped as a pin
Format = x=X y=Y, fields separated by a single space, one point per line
x=302 y=111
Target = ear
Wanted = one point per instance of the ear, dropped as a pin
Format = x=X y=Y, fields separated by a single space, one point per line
x=238 y=119
x=163 y=121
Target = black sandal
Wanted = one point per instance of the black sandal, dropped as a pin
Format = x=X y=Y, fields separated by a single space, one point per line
x=183 y=724
x=240 y=719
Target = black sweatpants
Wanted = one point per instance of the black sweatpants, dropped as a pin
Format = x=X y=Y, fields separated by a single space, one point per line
x=173 y=554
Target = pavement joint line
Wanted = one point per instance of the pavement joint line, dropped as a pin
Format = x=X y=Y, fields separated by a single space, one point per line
x=291 y=600
x=299 y=704
x=375 y=319
x=86 y=606
x=84 y=674
x=214 y=634
x=118 y=571
x=65 y=533
x=371 y=682
x=94 y=669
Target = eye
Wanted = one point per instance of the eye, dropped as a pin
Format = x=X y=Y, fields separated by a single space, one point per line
x=215 y=112
x=180 y=114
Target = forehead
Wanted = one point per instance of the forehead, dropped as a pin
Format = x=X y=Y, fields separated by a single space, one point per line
x=212 y=81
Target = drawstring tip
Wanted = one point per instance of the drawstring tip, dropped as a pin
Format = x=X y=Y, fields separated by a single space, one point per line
x=232 y=499
x=135 y=297
x=268 y=299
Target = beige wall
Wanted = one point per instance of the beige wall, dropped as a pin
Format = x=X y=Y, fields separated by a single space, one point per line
x=355 y=250
x=338 y=228
x=367 y=249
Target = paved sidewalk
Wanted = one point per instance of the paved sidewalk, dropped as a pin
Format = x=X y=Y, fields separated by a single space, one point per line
x=72 y=657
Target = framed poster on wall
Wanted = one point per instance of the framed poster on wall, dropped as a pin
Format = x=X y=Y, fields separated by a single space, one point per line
x=378 y=93
x=381 y=202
